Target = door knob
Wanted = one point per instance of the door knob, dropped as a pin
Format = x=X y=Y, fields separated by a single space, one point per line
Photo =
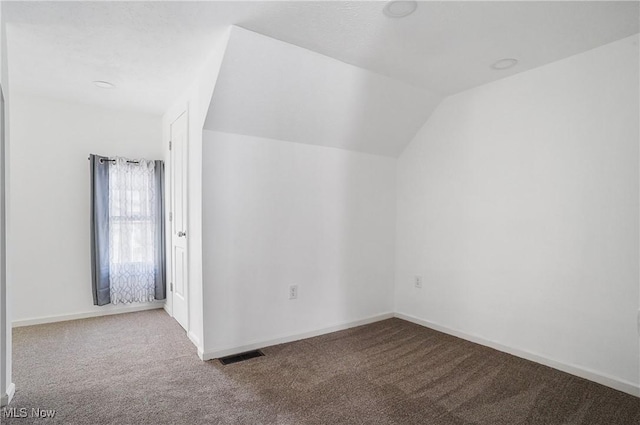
x=182 y=234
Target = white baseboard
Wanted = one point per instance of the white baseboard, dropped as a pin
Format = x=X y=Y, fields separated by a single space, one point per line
x=86 y=315
x=196 y=341
x=582 y=372
x=194 y=338
x=5 y=399
x=209 y=355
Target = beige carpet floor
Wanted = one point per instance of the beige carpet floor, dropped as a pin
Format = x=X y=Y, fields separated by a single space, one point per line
x=139 y=368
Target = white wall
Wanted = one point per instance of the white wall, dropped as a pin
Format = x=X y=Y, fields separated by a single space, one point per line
x=518 y=204
x=279 y=213
x=50 y=197
x=269 y=88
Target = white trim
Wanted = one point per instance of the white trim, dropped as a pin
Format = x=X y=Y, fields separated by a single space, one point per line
x=64 y=317
x=6 y=398
x=582 y=372
x=196 y=341
x=209 y=355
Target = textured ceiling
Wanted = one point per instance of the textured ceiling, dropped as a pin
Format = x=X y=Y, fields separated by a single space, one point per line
x=151 y=50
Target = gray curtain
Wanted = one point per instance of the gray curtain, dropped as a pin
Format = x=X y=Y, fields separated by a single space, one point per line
x=161 y=269
x=100 y=276
x=100 y=229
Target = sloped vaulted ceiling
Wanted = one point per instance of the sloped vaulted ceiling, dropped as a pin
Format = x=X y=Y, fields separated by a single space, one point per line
x=276 y=90
x=153 y=50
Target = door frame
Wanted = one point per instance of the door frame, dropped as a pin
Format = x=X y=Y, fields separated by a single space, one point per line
x=7 y=387
x=171 y=118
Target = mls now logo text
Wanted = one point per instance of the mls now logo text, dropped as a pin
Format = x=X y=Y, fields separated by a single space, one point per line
x=23 y=412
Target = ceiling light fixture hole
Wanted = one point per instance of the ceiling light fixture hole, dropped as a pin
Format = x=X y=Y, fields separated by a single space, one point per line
x=503 y=64
x=400 y=8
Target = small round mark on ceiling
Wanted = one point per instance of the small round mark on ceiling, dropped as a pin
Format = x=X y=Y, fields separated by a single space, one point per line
x=104 y=84
x=503 y=64
x=400 y=8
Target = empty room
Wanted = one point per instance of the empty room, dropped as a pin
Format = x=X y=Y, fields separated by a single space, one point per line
x=320 y=212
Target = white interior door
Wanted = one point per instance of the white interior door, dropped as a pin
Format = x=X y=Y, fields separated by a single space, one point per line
x=179 y=277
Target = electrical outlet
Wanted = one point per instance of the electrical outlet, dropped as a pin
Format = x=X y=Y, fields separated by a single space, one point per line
x=417 y=281
x=293 y=292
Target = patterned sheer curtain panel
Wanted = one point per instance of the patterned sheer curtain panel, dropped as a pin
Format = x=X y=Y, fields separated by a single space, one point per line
x=132 y=230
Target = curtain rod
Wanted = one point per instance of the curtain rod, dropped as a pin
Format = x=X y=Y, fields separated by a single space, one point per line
x=113 y=160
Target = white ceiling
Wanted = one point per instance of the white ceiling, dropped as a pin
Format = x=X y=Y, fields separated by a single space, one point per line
x=151 y=50
x=276 y=90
